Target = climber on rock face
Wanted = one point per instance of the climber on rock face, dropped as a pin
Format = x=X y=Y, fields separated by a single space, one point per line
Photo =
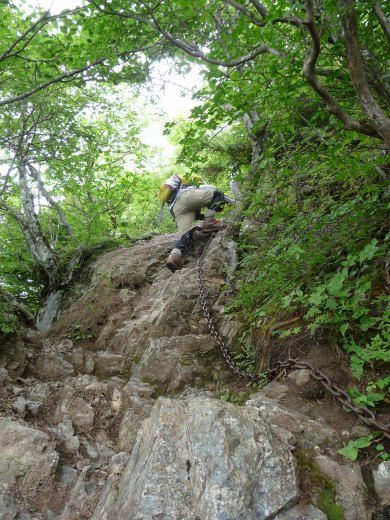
x=185 y=201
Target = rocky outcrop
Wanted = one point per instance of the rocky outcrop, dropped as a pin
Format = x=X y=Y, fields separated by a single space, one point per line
x=382 y=481
x=202 y=458
x=27 y=464
x=307 y=512
x=351 y=491
x=303 y=431
x=115 y=411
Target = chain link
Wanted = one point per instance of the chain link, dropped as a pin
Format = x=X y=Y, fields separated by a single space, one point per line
x=366 y=415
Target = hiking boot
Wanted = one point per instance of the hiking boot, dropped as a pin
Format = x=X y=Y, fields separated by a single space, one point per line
x=175 y=261
x=211 y=225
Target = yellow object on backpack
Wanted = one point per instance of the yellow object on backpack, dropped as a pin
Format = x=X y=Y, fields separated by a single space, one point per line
x=164 y=192
x=170 y=185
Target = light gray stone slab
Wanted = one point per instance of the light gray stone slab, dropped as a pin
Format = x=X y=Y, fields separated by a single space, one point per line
x=203 y=458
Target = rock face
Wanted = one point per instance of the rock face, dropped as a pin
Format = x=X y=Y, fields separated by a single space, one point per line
x=28 y=460
x=351 y=490
x=113 y=413
x=304 y=431
x=302 y=513
x=47 y=314
x=382 y=483
x=202 y=458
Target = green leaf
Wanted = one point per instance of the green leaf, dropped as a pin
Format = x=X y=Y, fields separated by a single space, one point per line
x=317 y=298
x=349 y=451
x=366 y=322
x=336 y=283
x=357 y=367
x=375 y=397
x=368 y=252
x=363 y=442
x=343 y=328
x=383 y=383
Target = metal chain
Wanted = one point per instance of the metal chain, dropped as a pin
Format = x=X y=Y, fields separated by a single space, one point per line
x=366 y=415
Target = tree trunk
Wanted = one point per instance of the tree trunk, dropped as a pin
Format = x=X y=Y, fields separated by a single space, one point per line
x=358 y=76
x=35 y=175
x=36 y=241
x=383 y=21
x=257 y=138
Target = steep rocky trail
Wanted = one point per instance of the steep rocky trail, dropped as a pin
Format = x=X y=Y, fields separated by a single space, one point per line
x=115 y=412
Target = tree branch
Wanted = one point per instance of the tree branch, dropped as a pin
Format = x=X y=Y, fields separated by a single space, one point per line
x=58 y=79
x=68 y=76
x=35 y=175
x=358 y=76
x=18 y=306
x=33 y=30
x=246 y=12
x=260 y=8
x=197 y=53
x=36 y=241
x=185 y=46
x=311 y=77
x=6 y=177
x=383 y=21
x=111 y=12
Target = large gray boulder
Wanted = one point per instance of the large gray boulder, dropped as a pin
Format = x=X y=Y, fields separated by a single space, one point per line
x=351 y=492
x=51 y=364
x=202 y=458
x=171 y=363
x=307 y=432
x=305 y=512
x=9 y=510
x=382 y=483
x=77 y=410
x=28 y=460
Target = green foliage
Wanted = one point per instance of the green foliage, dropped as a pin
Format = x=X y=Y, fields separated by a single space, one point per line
x=79 y=336
x=17 y=272
x=316 y=242
x=235 y=398
x=244 y=357
x=381 y=384
x=369 y=399
x=384 y=455
x=328 y=505
x=217 y=155
x=8 y=320
x=283 y=334
x=344 y=302
x=31 y=44
x=351 y=449
x=96 y=174
x=77 y=140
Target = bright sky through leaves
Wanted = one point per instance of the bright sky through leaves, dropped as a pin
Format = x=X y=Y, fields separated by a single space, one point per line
x=171 y=92
x=54 y=6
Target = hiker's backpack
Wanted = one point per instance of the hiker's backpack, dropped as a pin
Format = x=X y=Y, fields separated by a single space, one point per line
x=168 y=187
x=174 y=182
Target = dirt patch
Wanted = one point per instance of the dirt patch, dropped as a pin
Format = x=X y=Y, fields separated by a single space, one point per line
x=84 y=320
x=117 y=280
